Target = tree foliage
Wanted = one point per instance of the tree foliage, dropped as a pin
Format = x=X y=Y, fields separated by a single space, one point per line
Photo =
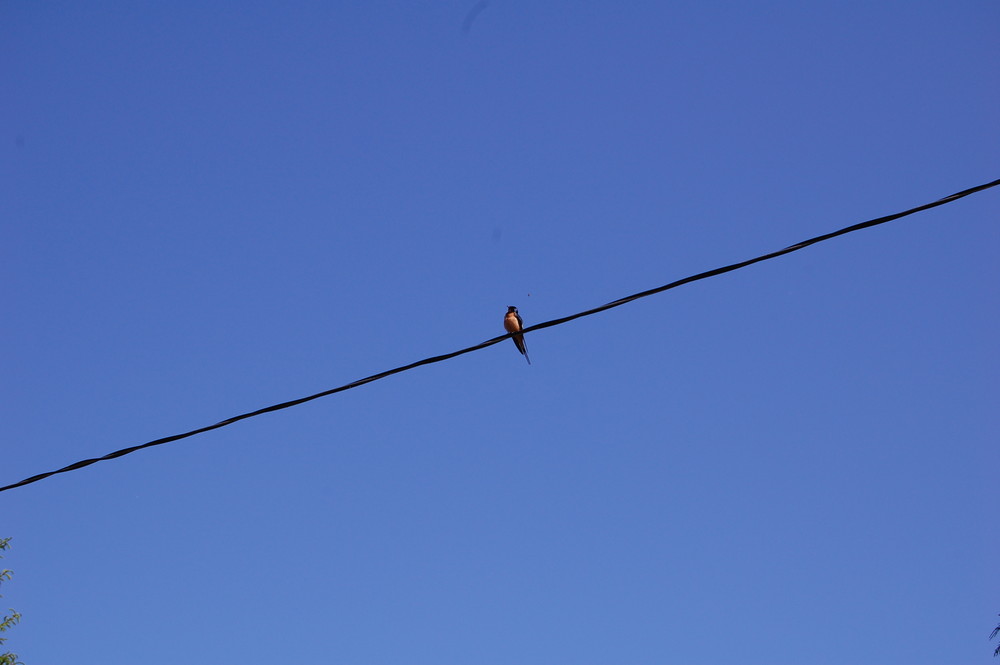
x=8 y=622
x=996 y=652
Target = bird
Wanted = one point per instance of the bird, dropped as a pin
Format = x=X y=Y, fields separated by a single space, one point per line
x=512 y=323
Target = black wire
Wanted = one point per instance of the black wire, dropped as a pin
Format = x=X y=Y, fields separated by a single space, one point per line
x=496 y=340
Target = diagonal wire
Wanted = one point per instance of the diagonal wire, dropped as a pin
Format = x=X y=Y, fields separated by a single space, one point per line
x=496 y=340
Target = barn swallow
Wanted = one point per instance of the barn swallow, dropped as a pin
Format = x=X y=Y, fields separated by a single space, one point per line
x=512 y=323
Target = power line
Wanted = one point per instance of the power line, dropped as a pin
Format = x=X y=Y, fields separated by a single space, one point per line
x=496 y=340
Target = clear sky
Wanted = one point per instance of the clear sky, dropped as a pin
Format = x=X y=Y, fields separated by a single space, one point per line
x=211 y=207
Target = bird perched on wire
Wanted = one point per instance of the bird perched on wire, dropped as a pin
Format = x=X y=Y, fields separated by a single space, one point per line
x=512 y=323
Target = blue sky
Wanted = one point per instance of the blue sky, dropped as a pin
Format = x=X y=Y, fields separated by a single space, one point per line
x=212 y=207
